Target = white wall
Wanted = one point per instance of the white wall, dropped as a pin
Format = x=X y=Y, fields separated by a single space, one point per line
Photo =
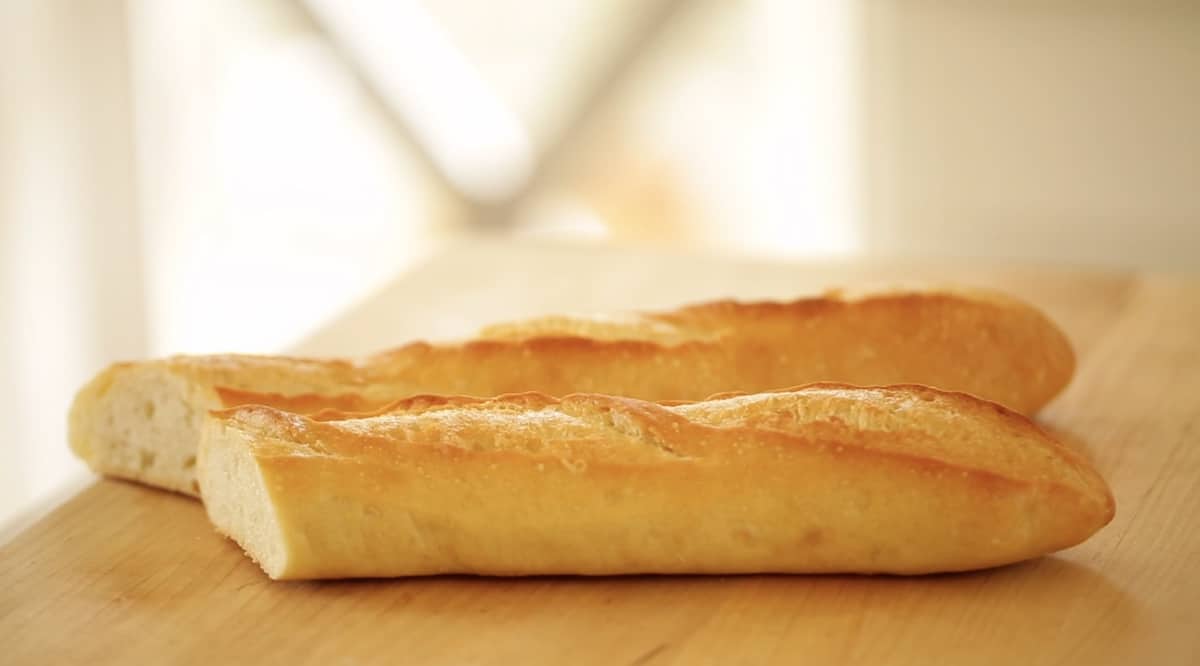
x=1053 y=130
x=70 y=267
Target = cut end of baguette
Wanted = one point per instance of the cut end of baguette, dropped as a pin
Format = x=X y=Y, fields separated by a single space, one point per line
x=237 y=499
x=140 y=422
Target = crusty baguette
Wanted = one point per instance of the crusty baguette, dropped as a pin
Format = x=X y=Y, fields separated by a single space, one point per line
x=821 y=479
x=141 y=420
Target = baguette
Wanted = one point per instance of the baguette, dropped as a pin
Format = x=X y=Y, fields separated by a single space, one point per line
x=822 y=479
x=142 y=420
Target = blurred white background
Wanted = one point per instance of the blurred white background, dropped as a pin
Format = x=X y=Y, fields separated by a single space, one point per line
x=180 y=176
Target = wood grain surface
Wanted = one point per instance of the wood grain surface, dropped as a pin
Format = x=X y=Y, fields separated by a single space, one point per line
x=125 y=574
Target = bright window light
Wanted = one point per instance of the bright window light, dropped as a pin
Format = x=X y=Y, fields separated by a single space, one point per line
x=479 y=143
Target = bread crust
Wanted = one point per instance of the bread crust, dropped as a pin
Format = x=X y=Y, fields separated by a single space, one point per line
x=978 y=342
x=819 y=479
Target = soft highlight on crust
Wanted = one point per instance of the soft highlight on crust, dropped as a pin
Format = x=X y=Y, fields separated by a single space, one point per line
x=844 y=411
x=978 y=342
x=901 y=480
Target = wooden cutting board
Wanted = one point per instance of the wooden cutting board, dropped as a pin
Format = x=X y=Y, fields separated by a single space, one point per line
x=127 y=574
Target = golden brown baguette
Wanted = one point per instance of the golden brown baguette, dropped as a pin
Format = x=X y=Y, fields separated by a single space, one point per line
x=141 y=420
x=820 y=479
